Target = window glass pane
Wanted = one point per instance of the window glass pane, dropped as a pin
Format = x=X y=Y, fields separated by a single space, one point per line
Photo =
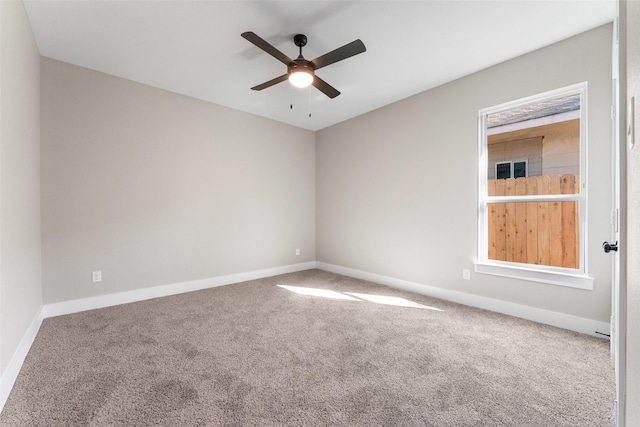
x=541 y=233
x=519 y=169
x=503 y=170
x=546 y=134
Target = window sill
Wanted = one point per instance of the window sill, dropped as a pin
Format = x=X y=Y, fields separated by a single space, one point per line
x=572 y=280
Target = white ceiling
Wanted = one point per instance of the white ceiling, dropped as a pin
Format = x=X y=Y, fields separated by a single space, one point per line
x=194 y=47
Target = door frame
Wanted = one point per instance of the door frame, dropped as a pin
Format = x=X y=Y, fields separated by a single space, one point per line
x=619 y=214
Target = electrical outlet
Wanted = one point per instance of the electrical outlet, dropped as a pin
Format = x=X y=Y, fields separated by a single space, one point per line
x=466 y=274
x=96 y=276
x=297 y=251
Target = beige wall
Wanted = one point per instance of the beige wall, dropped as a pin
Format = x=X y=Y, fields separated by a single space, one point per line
x=633 y=218
x=20 y=282
x=396 y=188
x=154 y=188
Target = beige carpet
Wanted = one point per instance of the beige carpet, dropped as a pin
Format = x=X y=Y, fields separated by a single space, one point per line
x=259 y=354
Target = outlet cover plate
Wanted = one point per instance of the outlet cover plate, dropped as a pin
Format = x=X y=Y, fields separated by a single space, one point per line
x=96 y=277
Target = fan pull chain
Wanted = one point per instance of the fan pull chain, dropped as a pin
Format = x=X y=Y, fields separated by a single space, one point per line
x=308 y=99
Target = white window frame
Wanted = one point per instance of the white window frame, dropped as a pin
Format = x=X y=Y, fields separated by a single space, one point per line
x=575 y=278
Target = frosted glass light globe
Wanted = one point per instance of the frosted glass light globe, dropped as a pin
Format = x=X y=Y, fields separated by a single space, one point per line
x=301 y=78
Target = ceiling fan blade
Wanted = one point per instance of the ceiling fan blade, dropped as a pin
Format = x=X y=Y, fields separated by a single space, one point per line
x=267 y=47
x=325 y=87
x=344 y=52
x=271 y=82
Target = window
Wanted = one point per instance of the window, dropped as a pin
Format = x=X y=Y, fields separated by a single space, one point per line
x=513 y=169
x=532 y=189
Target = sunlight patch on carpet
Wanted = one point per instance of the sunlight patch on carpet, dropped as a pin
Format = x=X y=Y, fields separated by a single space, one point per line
x=396 y=301
x=315 y=292
x=353 y=296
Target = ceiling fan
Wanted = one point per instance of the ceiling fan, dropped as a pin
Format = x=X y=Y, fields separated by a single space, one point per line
x=301 y=72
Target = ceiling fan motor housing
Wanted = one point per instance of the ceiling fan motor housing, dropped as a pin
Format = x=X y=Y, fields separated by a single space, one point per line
x=301 y=65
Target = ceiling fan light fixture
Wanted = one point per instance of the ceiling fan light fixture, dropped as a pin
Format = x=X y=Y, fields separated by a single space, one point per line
x=301 y=78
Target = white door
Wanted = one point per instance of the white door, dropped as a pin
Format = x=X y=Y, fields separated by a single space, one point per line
x=626 y=304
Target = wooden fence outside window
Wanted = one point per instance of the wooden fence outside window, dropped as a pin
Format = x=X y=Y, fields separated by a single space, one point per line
x=541 y=233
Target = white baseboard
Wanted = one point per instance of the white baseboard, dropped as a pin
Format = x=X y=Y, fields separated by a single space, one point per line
x=10 y=375
x=548 y=317
x=91 y=303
